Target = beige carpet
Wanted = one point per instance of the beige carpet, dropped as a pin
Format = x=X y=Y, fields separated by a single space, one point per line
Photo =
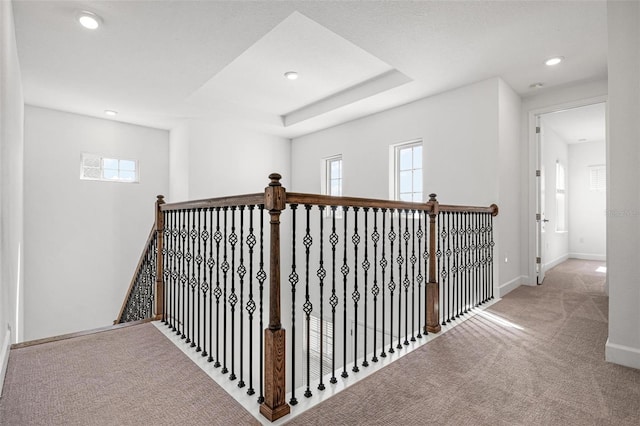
x=536 y=359
x=132 y=376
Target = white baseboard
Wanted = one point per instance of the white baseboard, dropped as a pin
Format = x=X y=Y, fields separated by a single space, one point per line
x=4 y=357
x=623 y=355
x=588 y=256
x=555 y=262
x=510 y=286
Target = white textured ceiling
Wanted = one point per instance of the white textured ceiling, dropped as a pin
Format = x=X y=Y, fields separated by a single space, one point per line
x=157 y=62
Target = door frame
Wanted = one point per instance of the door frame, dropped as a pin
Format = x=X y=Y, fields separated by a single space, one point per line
x=531 y=224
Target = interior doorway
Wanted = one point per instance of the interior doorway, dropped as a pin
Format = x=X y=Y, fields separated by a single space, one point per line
x=570 y=186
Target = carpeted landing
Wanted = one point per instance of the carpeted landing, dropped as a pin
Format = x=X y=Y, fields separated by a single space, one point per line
x=534 y=358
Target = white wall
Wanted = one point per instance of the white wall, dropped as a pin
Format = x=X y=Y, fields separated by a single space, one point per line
x=623 y=195
x=587 y=208
x=11 y=187
x=224 y=160
x=552 y=99
x=509 y=189
x=554 y=149
x=84 y=238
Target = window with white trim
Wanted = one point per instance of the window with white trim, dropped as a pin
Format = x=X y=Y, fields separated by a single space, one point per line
x=598 y=177
x=96 y=167
x=333 y=176
x=408 y=172
x=561 y=199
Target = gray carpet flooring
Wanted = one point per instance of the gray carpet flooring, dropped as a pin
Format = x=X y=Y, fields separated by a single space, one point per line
x=534 y=358
x=131 y=376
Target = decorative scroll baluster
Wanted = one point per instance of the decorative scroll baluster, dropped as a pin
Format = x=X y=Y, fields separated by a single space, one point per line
x=307 y=307
x=225 y=270
x=448 y=254
x=345 y=272
x=375 y=289
x=217 y=236
x=491 y=245
x=405 y=281
x=469 y=282
x=413 y=260
x=365 y=266
x=174 y=270
x=383 y=265
x=203 y=287
x=189 y=259
x=210 y=264
x=166 y=270
x=293 y=280
x=321 y=273
x=420 y=277
x=251 y=304
x=401 y=281
x=355 y=296
x=441 y=267
x=233 y=298
x=193 y=282
x=242 y=270
x=392 y=284
x=262 y=276
x=183 y=275
x=333 y=239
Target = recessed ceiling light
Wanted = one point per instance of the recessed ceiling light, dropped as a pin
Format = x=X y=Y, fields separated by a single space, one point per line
x=582 y=140
x=89 y=20
x=536 y=85
x=110 y=112
x=554 y=61
x=291 y=75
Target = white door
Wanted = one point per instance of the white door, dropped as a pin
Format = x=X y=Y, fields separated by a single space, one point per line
x=540 y=205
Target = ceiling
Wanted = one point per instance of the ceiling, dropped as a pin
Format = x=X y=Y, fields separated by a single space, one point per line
x=160 y=62
x=577 y=125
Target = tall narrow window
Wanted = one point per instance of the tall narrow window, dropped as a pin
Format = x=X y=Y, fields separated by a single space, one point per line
x=598 y=178
x=334 y=176
x=95 y=167
x=408 y=172
x=561 y=201
x=319 y=332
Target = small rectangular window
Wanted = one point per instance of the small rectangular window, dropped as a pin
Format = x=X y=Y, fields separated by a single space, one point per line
x=96 y=167
x=598 y=178
x=334 y=176
x=408 y=172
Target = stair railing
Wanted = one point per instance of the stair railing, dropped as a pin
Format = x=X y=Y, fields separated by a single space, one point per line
x=375 y=276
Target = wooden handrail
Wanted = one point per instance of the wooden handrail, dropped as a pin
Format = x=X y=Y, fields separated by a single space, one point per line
x=330 y=200
x=229 y=201
x=152 y=234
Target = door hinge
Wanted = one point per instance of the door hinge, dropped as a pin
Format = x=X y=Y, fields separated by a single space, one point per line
x=537 y=129
x=538 y=173
x=538 y=216
x=538 y=260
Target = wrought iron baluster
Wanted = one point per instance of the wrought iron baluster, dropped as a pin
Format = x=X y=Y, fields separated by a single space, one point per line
x=413 y=260
x=365 y=266
x=375 y=289
x=293 y=280
x=218 y=291
x=468 y=263
x=189 y=258
x=242 y=270
x=307 y=307
x=448 y=254
x=262 y=276
x=233 y=298
x=345 y=272
x=321 y=273
x=401 y=282
x=193 y=282
x=174 y=270
x=419 y=278
x=166 y=267
x=225 y=270
x=456 y=262
x=392 y=284
x=426 y=256
x=333 y=239
x=405 y=281
x=355 y=296
x=251 y=304
x=201 y=291
x=475 y=259
x=491 y=245
x=210 y=264
x=440 y=264
x=183 y=274
x=383 y=265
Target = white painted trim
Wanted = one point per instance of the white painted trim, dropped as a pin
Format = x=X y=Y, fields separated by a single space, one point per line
x=4 y=358
x=588 y=256
x=623 y=355
x=555 y=262
x=510 y=286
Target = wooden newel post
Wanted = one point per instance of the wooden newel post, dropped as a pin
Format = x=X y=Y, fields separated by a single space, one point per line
x=433 y=294
x=274 y=405
x=159 y=308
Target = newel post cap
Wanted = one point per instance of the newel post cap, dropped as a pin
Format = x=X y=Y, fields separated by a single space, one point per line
x=275 y=179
